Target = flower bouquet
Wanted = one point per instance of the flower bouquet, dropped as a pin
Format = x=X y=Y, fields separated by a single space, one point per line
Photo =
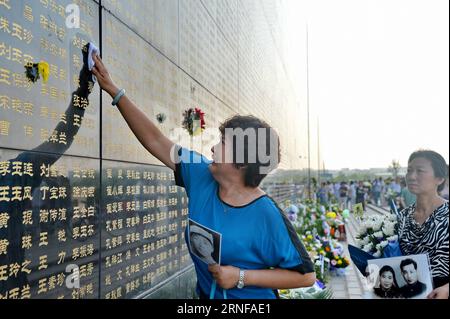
x=335 y=253
x=194 y=121
x=317 y=291
x=34 y=71
x=377 y=235
x=377 y=238
x=314 y=247
x=327 y=254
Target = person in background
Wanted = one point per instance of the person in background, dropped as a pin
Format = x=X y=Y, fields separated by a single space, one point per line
x=343 y=189
x=330 y=191
x=351 y=195
x=361 y=194
x=393 y=198
x=396 y=187
x=336 y=188
x=322 y=194
x=376 y=191
x=406 y=197
x=383 y=191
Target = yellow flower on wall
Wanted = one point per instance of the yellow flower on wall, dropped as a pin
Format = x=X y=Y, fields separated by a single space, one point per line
x=44 y=70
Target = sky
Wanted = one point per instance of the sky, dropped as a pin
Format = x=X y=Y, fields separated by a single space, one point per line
x=378 y=76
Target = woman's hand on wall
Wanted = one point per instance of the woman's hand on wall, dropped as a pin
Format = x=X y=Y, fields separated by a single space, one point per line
x=103 y=77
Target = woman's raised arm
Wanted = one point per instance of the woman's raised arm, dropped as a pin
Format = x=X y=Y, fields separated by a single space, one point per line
x=145 y=130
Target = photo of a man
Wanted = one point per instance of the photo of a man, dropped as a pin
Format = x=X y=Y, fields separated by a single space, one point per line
x=413 y=286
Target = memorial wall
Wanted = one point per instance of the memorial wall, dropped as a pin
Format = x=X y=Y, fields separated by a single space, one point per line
x=85 y=210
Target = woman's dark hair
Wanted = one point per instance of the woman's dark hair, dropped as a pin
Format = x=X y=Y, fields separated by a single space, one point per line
x=387 y=268
x=440 y=167
x=253 y=175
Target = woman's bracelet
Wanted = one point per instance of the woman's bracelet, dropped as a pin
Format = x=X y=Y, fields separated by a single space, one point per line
x=118 y=96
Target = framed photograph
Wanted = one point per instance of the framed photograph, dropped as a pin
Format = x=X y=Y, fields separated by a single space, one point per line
x=204 y=243
x=405 y=277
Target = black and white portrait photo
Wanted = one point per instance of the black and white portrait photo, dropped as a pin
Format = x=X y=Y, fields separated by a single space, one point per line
x=406 y=277
x=204 y=243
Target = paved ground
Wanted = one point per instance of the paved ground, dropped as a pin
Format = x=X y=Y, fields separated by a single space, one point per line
x=351 y=286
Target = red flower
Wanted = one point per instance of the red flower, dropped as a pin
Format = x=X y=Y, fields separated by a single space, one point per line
x=201 y=116
x=191 y=115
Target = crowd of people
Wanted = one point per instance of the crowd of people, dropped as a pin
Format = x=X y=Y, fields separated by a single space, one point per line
x=389 y=192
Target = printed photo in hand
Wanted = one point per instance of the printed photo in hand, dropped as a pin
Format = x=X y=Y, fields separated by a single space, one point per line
x=204 y=243
x=405 y=277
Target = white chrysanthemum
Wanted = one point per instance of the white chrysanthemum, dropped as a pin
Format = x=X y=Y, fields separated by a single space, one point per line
x=362 y=229
x=361 y=241
x=377 y=254
x=384 y=243
x=376 y=218
x=378 y=234
x=366 y=240
x=393 y=238
x=368 y=224
x=368 y=247
x=388 y=229
x=393 y=218
x=377 y=225
x=387 y=222
x=358 y=243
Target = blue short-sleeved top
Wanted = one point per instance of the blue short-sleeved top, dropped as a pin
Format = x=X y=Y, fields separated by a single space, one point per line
x=255 y=236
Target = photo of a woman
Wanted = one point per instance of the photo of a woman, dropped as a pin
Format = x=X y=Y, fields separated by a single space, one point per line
x=388 y=284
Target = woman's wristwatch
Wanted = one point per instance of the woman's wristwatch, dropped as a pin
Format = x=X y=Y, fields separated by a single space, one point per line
x=240 y=283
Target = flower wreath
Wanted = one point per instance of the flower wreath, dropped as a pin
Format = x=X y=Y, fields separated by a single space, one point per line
x=194 y=121
x=34 y=71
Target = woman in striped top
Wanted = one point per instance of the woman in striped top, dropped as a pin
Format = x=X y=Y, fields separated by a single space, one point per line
x=424 y=225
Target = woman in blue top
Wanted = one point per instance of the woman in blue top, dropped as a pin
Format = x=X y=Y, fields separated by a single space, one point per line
x=260 y=250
